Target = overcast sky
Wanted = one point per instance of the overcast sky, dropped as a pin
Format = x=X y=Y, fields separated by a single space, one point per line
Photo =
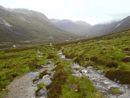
x=91 y=11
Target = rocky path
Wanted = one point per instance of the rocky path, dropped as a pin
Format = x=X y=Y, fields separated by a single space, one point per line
x=23 y=87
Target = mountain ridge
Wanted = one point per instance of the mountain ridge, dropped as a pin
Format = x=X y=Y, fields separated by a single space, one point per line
x=28 y=25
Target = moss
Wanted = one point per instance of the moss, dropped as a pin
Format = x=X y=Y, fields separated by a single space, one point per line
x=40 y=86
x=115 y=91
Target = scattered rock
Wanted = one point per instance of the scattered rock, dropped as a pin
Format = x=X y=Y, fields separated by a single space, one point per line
x=75 y=66
x=126 y=59
x=35 y=80
x=41 y=93
x=74 y=87
x=46 y=80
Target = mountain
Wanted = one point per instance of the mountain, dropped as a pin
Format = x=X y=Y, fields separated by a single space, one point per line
x=27 y=25
x=74 y=27
x=123 y=25
x=103 y=29
x=88 y=31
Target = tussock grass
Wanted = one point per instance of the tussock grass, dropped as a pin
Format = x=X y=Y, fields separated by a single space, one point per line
x=105 y=53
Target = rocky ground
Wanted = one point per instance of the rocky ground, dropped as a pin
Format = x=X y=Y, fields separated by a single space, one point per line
x=24 y=86
x=103 y=84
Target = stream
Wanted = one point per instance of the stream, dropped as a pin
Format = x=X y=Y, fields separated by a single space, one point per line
x=102 y=83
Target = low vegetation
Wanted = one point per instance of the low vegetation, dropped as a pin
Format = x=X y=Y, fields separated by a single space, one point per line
x=115 y=91
x=109 y=53
x=16 y=62
x=65 y=85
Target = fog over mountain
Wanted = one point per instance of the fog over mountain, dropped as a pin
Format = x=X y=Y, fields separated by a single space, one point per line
x=27 y=25
x=74 y=27
x=85 y=29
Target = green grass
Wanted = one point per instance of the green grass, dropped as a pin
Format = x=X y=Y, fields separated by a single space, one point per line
x=16 y=62
x=84 y=88
x=40 y=86
x=105 y=53
x=115 y=91
x=62 y=85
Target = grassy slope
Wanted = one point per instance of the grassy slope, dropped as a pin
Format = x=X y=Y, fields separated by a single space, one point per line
x=105 y=53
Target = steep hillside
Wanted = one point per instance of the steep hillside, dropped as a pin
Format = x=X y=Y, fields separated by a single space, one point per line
x=26 y=25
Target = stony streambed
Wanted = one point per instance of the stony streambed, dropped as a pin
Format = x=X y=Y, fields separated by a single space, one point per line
x=102 y=83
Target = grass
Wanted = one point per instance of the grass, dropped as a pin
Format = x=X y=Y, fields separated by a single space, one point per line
x=65 y=85
x=83 y=88
x=105 y=53
x=115 y=91
x=16 y=62
x=40 y=86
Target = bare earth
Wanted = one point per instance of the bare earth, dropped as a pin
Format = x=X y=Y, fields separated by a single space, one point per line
x=22 y=87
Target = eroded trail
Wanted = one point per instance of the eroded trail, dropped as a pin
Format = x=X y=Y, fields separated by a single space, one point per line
x=22 y=87
x=102 y=83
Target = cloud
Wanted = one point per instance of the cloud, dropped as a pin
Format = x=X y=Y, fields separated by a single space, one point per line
x=91 y=11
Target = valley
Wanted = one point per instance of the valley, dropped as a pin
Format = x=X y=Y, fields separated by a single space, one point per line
x=107 y=55
x=45 y=57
